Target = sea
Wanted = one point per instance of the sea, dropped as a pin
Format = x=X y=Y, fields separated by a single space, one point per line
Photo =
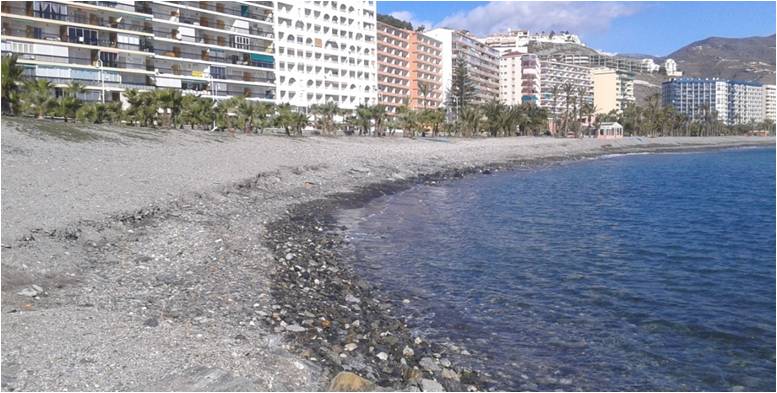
x=625 y=272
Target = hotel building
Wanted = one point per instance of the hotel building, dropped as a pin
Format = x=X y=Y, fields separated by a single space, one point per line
x=770 y=102
x=531 y=77
x=612 y=89
x=555 y=76
x=510 y=78
x=326 y=52
x=209 y=48
x=393 y=67
x=425 y=71
x=482 y=62
x=734 y=102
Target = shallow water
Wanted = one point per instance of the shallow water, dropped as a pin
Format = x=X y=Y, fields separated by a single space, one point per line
x=643 y=272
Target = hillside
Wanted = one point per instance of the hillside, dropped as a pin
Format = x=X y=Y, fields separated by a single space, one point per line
x=750 y=58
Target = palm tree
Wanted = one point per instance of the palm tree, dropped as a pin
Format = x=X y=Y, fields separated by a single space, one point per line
x=567 y=87
x=378 y=114
x=492 y=110
x=171 y=101
x=471 y=120
x=325 y=117
x=408 y=121
x=68 y=103
x=554 y=92
x=285 y=118
x=298 y=121
x=37 y=97
x=423 y=90
x=363 y=118
x=12 y=77
x=246 y=114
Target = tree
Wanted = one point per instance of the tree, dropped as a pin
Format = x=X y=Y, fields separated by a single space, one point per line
x=568 y=99
x=462 y=90
x=492 y=110
x=171 y=101
x=408 y=121
x=196 y=111
x=363 y=118
x=423 y=91
x=471 y=120
x=37 y=98
x=246 y=114
x=379 y=114
x=325 y=117
x=68 y=103
x=12 y=77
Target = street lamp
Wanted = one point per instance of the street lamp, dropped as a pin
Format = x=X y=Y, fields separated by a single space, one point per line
x=102 y=81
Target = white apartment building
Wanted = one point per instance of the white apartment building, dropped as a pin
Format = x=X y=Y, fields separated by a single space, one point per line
x=612 y=89
x=482 y=62
x=734 y=102
x=216 y=49
x=510 y=78
x=770 y=102
x=745 y=102
x=555 y=77
x=531 y=77
x=670 y=66
x=650 y=66
x=519 y=40
x=326 y=52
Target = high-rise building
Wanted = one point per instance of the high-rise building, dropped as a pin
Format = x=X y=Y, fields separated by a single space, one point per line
x=326 y=52
x=770 y=102
x=731 y=102
x=531 y=77
x=510 y=78
x=425 y=71
x=482 y=62
x=393 y=67
x=558 y=81
x=201 y=47
x=613 y=89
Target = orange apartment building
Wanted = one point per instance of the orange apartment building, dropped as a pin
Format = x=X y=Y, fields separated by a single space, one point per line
x=409 y=69
x=425 y=71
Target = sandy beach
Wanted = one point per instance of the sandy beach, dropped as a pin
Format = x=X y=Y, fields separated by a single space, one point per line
x=139 y=259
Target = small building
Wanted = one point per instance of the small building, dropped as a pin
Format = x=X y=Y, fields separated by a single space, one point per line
x=609 y=130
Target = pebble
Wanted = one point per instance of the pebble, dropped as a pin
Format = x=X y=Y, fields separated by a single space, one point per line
x=349 y=382
x=295 y=328
x=382 y=356
x=29 y=292
x=350 y=347
x=352 y=299
x=408 y=352
x=428 y=364
x=429 y=385
x=450 y=374
x=445 y=362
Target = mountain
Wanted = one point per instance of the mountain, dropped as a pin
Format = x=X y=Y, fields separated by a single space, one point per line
x=750 y=58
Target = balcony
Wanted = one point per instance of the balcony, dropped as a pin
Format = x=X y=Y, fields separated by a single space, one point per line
x=242 y=11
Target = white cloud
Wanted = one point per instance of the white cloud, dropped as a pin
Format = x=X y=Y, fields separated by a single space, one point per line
x=408 y=16
x=576 y=17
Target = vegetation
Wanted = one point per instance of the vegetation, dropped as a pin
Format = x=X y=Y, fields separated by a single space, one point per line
x=171 y=109
x=462 y=91
x=392 y=21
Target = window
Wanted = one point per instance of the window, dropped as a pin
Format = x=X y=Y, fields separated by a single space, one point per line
x=218 y=72
x=49 y=10
x=108 y=59
x=82 y=36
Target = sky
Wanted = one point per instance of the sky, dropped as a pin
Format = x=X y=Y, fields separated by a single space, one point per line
x=653 y=28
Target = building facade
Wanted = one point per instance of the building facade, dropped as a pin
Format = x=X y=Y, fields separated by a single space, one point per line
x=425 y=71
x=393 y=67
x=612 y=89
x=326 y=52
x=558 y=81
x=511 y=78
x=482 y=62
x=770 y=102
x=670 y=67
x=207 y=48
x=731 y=102
x=531 y=77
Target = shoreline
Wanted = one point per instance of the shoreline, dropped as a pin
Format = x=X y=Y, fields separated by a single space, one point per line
x=401 y=370
x=199 y=273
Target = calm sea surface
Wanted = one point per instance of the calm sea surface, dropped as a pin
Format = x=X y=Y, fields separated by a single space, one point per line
x=640 y=272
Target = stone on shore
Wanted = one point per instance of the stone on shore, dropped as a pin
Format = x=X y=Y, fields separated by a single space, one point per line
x=349 y=382
x=429 y=385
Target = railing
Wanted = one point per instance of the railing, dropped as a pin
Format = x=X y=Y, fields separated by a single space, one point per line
x=229 y=78
x=244 y=12
x=98 y=22
x=142 y=47
x=80 y=61
x=212 y=59
x=91 y=82
x=226 y=43
x=196 y=22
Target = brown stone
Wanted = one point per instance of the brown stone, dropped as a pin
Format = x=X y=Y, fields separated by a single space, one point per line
x=349 y=382
x=326 y=324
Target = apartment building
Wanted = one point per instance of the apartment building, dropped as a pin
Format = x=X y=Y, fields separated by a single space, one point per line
x=670 y=67
x=209 y=48
x=612 y=89
x=733 y=102
x=770 y=102
x=393 y=67
x=482 y=62
x=326 y=52
x=511 y=78
x=555 y=78
x=531 y=78
x=425 y=71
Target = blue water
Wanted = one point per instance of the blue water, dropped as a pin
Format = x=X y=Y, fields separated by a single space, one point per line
x=639 y=272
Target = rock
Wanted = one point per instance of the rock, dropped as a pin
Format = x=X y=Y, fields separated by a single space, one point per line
x=382 y=356
x=429 y=385
x=352 y=299
x=408 y=352
x=445 y=362
x=289 y=256
x=29 y=292
x=349 y=382
x=428 y=364
x=295 y=328
x=37 y=288
x=450 y=374
x=350 y=347
x=151 y=322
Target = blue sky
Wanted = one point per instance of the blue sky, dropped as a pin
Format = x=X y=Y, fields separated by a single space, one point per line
x=655 y=28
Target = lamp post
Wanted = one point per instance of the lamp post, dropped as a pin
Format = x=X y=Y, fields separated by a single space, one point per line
x=102 y=81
